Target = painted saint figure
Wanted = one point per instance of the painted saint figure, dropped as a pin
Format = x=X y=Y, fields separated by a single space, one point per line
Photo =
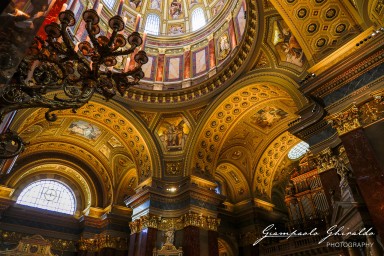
x=224 y=47
x=175 y=10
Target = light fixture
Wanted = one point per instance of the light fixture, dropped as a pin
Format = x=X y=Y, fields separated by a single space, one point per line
x=172 y=189
x=77 y=71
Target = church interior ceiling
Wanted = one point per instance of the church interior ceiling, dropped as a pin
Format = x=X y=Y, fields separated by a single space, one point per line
x=189 y=115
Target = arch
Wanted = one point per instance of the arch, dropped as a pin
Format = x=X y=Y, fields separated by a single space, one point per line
x=84 y=187
x=241 y=98
x=237 y=185
x=48 y=194
x=126 y=187
x=152 y=24
x=198 y=19
x=226 y=246
x=267 y=166
x=114 y=118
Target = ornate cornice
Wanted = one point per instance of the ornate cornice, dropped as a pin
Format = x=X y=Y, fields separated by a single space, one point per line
x=161 y=223
x=345 y=121
x=350 y=74
x=336 y=76
x=357 y=116
x=12 y=237
x=101 y=241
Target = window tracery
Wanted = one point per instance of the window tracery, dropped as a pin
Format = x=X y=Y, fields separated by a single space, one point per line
x=49 y=195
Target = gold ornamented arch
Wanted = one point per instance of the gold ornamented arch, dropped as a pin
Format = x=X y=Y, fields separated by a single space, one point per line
x=244 y=97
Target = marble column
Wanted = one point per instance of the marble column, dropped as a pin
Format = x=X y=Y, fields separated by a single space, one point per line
x=191 y=241
x=187 y=62
x=369 y=176
x=160 y=66
x=133 y=244
x=366 y=169
x=212 y=55
x=213 y=243
x=146 y=242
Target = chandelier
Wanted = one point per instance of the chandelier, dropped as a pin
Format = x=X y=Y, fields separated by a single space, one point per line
x=58 y=74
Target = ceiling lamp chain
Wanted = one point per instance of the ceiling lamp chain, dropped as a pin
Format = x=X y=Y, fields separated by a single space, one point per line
x=56 y=66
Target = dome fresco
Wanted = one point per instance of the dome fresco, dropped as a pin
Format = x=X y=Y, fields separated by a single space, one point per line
x=186 y=41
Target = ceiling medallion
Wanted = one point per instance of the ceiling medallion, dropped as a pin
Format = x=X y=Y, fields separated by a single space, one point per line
x=78 y=71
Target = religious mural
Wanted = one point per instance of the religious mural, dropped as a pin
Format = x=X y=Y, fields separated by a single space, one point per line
x=268 y=116
x=176 y=10
x=176 y=29
x=224 y=46
x=286 y=44
x=135 y=4
x=173 y=133
x=84 y=129
x=155 y=5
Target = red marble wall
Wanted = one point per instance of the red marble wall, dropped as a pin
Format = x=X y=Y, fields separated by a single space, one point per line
x=191 y=241
x=212 y=57
x=213 y=243
x=146 y=242
x=132 y=244
x=369 y=175
x=160 y=67
x=187 y=64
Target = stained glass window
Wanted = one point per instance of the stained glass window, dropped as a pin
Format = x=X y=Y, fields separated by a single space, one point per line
x=152 y=25
x=198 y=19
x=50 y=195
x=299 y=150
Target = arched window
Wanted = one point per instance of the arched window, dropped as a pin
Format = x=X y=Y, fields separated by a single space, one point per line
x=152 y=25
x=109 y=3
x=218 y=188
x=299 y=150
x=50 y=195
x=198 y=19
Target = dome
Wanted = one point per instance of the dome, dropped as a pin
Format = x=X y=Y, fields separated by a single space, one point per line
x=187 y=41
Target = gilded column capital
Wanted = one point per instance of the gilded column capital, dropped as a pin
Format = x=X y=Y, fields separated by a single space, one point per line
x=101 y=241
x=345 y=121
x=164 y=224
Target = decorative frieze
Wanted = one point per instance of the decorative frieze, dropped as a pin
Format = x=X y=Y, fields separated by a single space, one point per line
x=101 y=241
x=345 y=121
x=357 y=116
x=54 y=243
x=164 y=224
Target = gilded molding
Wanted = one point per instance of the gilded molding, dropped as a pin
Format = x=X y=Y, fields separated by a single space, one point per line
x=55 y=244
x=164 y=224
x=101 y=241
x=345 y=121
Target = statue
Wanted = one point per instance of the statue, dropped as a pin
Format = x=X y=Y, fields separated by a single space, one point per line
x=341 y=168
x=170 y=236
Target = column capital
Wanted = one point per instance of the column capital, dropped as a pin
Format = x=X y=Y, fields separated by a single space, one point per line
x=165 y=224
x=101 y=241
x=345 y=121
